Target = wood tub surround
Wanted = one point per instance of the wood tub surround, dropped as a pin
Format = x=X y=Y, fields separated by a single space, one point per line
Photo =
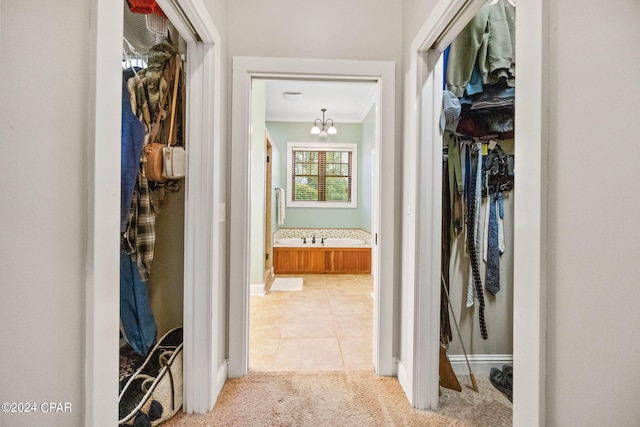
x=318 y=260
x=335 y=250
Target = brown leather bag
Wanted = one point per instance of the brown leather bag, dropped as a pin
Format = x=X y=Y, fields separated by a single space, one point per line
x=154 y=164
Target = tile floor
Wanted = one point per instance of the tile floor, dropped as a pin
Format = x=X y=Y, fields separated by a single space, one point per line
x=328 y=326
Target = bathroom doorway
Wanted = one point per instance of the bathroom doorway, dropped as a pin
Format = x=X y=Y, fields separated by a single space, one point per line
x=248 y=73
x=326 y=324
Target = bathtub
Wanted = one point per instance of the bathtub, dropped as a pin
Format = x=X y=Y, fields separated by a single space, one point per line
x=329 y=242
x=344 y=251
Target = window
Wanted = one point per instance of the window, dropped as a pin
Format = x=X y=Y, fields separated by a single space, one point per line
x=321 y=175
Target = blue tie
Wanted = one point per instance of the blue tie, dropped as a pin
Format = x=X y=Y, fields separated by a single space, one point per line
x=493 y=250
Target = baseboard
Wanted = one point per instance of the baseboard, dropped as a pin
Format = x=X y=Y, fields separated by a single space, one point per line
x=402 y=379
x=221 y=378
x=257 y=289
x=480 y=363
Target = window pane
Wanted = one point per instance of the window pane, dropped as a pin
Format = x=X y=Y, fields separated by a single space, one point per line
x=306 y=188
x=337 y=189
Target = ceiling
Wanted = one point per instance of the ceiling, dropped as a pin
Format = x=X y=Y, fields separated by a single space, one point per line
x=346 y=102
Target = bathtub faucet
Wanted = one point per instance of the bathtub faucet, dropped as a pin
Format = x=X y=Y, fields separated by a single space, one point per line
x=314 y=239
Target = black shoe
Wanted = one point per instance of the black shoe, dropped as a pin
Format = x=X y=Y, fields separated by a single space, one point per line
x=503 y=382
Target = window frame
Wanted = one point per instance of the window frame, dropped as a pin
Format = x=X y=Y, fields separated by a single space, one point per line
x=328 y=146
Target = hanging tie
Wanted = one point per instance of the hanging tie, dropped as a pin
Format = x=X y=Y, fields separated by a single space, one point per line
x=493 y=249
x=474 y=199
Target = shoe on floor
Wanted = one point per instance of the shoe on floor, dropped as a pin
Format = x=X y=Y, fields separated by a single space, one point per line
x=503 y=382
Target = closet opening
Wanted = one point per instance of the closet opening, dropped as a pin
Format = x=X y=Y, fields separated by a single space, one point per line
x=438 y=32
x=477 y=126
x=203 y=262
x=152 y=222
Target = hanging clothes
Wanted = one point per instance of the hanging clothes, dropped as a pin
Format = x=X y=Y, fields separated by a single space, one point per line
x=455 y=179
x=492 y=283
x=138 y=323
x=131 y=141
x=487 y=41
x=140 y=237
x=445 y=325
x=473 y=229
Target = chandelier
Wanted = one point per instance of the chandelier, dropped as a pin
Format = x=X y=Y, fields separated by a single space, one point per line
x=320 y=125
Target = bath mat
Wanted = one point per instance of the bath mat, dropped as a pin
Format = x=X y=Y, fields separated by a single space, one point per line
x=287 y=284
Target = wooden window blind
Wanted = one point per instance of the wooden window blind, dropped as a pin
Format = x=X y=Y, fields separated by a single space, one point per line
x=322 y=176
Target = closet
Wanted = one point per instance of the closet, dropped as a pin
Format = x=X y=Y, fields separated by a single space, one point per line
x=477 y=124
x=152 y=211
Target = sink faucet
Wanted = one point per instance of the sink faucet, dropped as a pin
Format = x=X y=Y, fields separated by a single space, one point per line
x=322 y=241
x=304 y=240
x=314 y=239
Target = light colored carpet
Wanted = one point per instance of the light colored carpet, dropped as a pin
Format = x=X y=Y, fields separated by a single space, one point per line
x=347 y=399
x=287 y=284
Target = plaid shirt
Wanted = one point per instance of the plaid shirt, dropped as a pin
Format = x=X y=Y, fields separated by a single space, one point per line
x=140 y=237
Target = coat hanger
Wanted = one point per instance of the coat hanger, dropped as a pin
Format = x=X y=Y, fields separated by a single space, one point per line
x=127 y=50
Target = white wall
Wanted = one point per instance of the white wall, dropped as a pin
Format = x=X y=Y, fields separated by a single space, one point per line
x=594 y=274
x=357 y=29
x=44 y=85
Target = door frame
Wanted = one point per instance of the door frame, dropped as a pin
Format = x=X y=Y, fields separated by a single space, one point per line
x=244 y=70
x=268 y=208
x=423 y=106
x=202 y=214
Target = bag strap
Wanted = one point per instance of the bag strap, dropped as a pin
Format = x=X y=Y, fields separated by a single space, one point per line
x=173 y=102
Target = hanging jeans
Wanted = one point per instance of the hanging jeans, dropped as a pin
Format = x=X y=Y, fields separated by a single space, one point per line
x=138 y=322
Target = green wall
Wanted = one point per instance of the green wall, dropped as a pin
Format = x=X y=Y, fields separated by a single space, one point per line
x=298 y=217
